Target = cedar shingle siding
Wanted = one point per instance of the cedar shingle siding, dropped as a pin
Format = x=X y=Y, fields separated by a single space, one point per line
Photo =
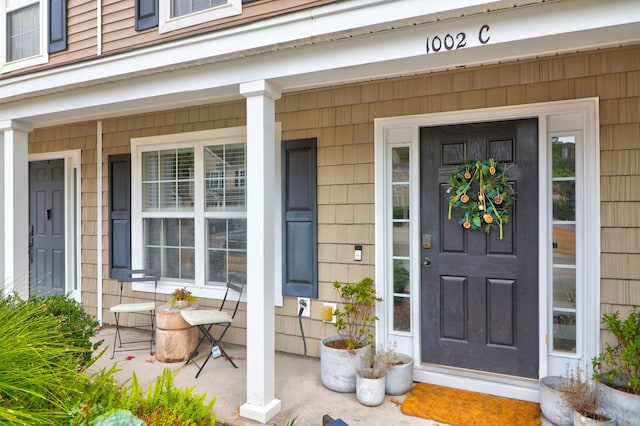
x=341 y=118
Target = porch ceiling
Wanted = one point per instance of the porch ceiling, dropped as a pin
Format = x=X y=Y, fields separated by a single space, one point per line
x=312 y=57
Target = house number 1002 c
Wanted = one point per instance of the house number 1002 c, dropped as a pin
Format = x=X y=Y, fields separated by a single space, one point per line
x=453 y=42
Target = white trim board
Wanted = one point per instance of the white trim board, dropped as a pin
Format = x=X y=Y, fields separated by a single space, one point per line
x=73 y=217
x=141 y=80
x=553 y=118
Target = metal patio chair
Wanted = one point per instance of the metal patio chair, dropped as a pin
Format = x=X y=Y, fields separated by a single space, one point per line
x=205 y=319
x=137 y=308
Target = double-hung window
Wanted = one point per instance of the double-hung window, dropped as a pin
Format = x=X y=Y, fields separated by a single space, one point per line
x=189 y=207
x=23 y=33
x=175 y=14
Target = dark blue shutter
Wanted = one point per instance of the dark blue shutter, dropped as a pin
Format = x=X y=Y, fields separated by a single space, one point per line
x=300 y=236
x=146 y=14
x=57 y=25
x=119 y=214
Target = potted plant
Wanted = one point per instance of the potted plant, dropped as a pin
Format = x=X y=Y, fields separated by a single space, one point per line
x=582 y=396
x=554 y=409
x=399 y=370
x=341 y=355
x=181 y=298
x=617 y=368
x=370 y=381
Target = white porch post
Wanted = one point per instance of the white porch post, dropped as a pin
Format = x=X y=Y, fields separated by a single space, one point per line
x=261 y=404
x=14 y=218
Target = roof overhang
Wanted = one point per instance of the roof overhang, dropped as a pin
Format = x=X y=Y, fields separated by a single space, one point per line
x=336 y=44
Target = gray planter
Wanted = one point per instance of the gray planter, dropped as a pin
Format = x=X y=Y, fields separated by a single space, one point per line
x=399 y=377
x=338 y=366
x=580 y=420
x=626 y=406
x=369 y=391
x=551 y=403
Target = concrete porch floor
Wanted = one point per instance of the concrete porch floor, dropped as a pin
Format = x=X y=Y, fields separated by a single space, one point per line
x=298 y=386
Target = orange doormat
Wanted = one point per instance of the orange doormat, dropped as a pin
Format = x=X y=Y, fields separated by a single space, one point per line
x=465 y=408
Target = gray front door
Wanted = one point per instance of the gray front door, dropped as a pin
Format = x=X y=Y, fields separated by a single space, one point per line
x=479 y=292
x=46 y=228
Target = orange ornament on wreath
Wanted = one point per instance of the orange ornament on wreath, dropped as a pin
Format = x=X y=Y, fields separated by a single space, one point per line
x=481 y=194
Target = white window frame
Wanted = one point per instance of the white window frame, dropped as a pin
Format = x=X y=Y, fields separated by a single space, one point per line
x=42 y=57
x=167 y=23
x=197 y=140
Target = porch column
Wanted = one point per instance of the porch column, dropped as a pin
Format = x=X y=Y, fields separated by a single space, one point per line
x=14 y=208
x=261 y=404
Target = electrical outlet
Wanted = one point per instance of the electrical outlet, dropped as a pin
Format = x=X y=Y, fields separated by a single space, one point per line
x=305 y=302
x=329 y=309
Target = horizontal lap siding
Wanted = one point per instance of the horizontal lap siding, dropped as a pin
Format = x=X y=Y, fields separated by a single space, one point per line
x=342 y=119
x=119 y=31
x=81 y=32
x=119 y=34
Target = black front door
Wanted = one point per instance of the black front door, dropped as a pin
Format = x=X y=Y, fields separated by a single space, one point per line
x=479 y=292
x=46 y=228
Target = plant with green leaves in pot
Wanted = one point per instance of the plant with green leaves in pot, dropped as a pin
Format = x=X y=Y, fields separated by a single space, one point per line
x=617 y=368
x=181 y=298
x=399 y=370
x=341 y=355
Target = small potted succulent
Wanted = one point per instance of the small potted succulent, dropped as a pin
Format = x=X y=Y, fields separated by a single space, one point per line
x=181 y=298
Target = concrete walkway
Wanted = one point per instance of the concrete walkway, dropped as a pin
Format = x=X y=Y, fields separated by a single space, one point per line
x=298 y=386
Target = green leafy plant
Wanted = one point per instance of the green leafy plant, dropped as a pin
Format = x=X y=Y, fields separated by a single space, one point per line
x=357 y=314
x=165 y=405
x=162 y=404
x=179 y=296
x=78 y=326
x=39 y=382
x=622 y=360
x=101 y=393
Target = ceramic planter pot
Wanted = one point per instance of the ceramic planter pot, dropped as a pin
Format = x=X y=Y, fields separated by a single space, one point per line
x=580 y=420
x=369 y=389
x=552 y=405
x=625 y=405
x=338 y=366
x=399 y=377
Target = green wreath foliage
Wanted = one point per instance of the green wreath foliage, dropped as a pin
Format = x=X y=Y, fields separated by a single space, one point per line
x=480 y=195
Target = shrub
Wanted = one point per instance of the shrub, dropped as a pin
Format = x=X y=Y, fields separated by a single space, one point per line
x=357 y=315
x=162 y=405
x=621 y=361
x=166 y=405
x=38 y=378
x=76 y=324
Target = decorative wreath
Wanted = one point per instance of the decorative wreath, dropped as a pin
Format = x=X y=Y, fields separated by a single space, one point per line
x=481 y=195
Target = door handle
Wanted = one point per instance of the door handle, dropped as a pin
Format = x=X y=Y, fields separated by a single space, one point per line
x=47 y=214
x=31 y=245
x=426 y=262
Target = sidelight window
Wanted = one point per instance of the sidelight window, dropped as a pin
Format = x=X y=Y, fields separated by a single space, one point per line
x=400 y=191
x=563 y=194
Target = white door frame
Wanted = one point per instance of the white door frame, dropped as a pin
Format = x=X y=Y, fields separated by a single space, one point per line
x=553 y=118
x=72 y=220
